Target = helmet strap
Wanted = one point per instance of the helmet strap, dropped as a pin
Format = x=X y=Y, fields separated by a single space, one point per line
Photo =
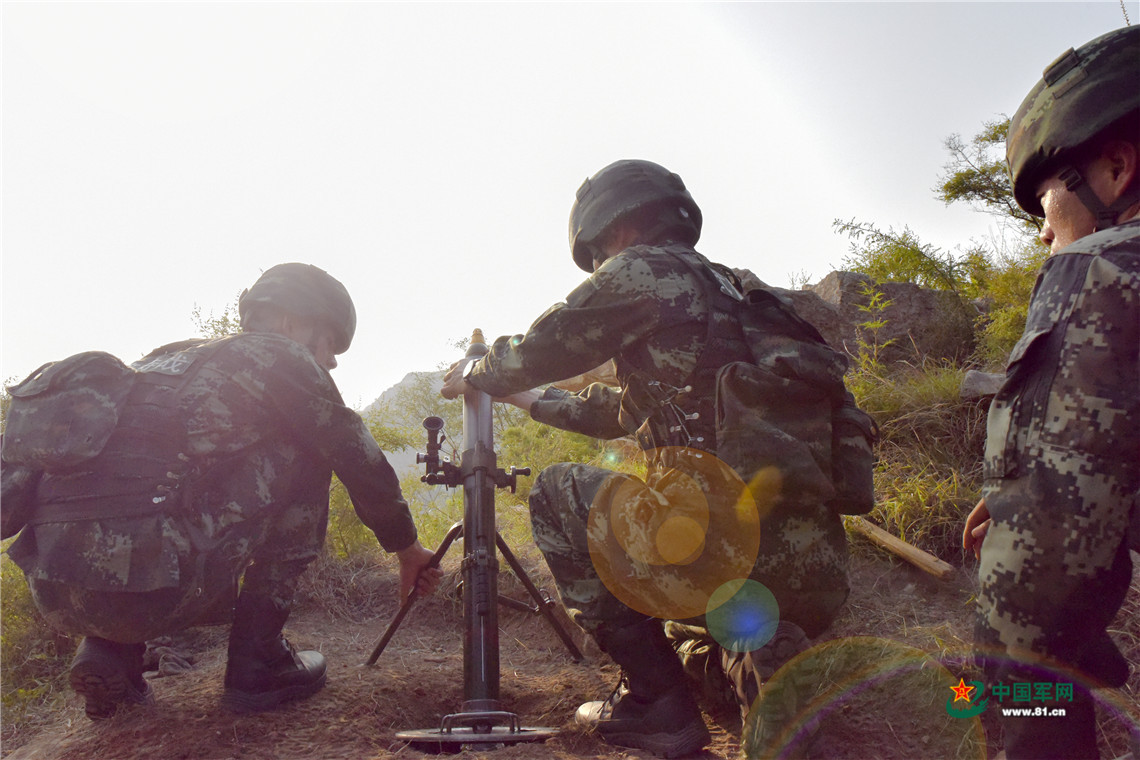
x=1106 y=215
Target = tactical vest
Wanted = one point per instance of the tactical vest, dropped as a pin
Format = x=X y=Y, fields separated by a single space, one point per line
x=685 y=416
x=140 y=468
x=767 y=394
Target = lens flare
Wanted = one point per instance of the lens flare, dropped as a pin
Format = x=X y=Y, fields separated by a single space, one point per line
x=742 y=615
x=665 y=546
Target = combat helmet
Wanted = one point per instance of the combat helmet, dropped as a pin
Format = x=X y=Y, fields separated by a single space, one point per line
x=306 y=291
x=624 y=187
x=1081 y=94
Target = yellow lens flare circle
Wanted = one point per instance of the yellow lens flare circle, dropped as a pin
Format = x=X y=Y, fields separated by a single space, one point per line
x=664 y=547
x=680 y=540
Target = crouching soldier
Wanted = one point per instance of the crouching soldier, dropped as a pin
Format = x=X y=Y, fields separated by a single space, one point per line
x=638 y=561
x=206 y=463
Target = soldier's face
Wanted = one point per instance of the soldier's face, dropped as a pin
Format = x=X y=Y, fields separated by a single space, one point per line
x=322 y=347
x=1066 y=218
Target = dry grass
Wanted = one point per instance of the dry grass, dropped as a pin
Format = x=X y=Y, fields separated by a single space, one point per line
x=1125 y=631
x=929 y=471
x=348 y=588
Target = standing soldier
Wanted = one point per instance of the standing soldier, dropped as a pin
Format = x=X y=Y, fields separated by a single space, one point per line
x=1062 y=465
x=629 y=554
x=214 y=466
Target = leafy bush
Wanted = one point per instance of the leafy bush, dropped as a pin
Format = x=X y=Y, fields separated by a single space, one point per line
x=347 y=536
x=901 y=257
x=1008 y=284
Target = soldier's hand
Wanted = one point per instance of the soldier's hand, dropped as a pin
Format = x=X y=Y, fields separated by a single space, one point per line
x=977 y=524
x=453 y=383
x=416 y=572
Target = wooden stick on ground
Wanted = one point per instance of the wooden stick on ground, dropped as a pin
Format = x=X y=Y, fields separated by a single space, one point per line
x=912 y=554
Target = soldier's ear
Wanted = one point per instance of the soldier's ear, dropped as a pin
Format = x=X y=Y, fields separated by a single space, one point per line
x=1123 y=158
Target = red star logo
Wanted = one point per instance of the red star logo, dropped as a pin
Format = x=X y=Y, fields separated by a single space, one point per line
x=962 y=691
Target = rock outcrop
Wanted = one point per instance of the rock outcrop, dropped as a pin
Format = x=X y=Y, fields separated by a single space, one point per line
x=917 y=323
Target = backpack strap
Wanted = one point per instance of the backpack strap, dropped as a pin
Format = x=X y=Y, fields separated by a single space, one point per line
x=685 y=415
x=782 y=342
x=724 y=300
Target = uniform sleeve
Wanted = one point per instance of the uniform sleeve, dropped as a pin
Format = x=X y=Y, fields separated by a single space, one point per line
x=312 y=410
x=615 y=308
x=593 y=411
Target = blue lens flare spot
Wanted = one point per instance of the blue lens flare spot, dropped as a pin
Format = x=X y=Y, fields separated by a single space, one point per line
x=742 y=615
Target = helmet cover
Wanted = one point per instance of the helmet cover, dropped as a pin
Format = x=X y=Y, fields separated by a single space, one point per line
x=1080 y=94
x=305 y=291
x=618 y=190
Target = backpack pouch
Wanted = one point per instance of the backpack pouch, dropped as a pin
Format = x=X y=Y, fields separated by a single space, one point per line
x=63 y=414
x=776 y=429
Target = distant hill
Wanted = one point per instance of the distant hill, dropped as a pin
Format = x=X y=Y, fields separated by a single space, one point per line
x=405 y=461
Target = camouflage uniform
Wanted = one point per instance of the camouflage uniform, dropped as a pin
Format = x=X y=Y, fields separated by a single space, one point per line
x=145 y=540
x=1062 y=472
x=645 y=310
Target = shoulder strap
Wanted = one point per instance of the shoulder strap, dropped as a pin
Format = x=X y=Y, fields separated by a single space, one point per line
x=781 y=313
x=726 y=297
x=770 y=328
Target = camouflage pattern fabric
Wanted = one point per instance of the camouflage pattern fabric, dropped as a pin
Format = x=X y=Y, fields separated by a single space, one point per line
x=1080 y=94
x=264 y=428
x=797 y=551
x=86 y=392
x=729 y=680
x=1062 y=471
x=647 y=311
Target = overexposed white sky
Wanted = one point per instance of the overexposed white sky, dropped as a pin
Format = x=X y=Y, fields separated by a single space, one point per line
x=160 y=156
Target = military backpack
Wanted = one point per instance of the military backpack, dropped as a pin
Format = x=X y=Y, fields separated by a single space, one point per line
x=89 y=436
x=786 y=413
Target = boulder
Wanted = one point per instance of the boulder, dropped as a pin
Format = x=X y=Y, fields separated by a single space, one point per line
x=980 y=384
x=919 y=323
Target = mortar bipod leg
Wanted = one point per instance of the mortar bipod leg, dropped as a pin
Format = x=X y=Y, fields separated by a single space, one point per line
x=455 y=532
x=542 y=602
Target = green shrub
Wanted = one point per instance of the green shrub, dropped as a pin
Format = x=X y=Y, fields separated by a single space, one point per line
x=346 y=534
x=34 y=655
x=1009 y=284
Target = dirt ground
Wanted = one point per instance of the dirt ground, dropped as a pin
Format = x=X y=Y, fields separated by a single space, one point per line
x=883 y=674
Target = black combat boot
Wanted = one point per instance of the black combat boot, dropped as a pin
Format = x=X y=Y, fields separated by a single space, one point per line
x=108 y=674
x=652 y=707
x=263 y=669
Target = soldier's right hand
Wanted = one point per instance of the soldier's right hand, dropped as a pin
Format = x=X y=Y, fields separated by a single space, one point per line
x=416 y=571
x=453 y=383
x=977 y=524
